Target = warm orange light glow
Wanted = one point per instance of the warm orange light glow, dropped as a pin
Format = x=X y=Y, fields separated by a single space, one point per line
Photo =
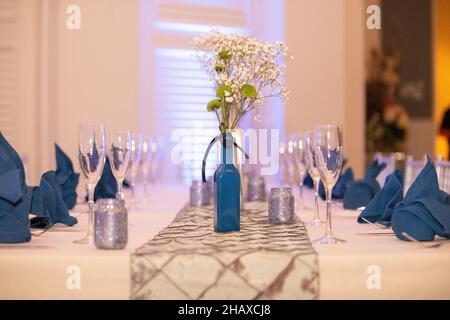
x=441 y=67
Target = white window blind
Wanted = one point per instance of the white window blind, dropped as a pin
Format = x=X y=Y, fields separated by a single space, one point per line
x=181 y=87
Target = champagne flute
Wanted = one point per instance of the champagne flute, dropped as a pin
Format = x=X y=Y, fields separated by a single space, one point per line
x=284 y=163
x=91 y=154
x=298 y=157
x=149 y=147
x=119 y=154
x=289 y=162
x=328 y=151
x=135 y=159
x=313 y=171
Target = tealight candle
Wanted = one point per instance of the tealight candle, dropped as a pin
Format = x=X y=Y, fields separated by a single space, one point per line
x=200 y=194
x=211 y=185
x=110 y=224
x=256 y=190
x=281 y=205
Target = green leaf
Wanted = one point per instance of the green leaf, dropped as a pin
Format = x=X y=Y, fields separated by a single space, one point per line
x=248 y=91
x=224 y=55
x=221 y=91
x=214 y=105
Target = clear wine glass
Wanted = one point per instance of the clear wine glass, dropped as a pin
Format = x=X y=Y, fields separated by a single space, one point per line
x=328 y=151
x=119 y=154
x=290 y=162
x=298 y=157
x=149 y=149
x=284 y=161
x=91 y=154
x=313 y=171
x=135 y=159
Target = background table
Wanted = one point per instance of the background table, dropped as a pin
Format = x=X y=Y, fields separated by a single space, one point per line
x=38 y=269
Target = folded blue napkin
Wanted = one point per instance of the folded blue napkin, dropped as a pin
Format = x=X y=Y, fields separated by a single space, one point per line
x=340 y=187
x=425 y=210
x=308 y=181
x=17 y=200
x=66 y=177
x=12 y=157
x=14 y=207
x=360 y=192
x=55 y=209
x=107 y=186
x=381 y=207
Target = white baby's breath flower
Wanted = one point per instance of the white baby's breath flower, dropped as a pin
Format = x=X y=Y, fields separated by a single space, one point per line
x=244 y=61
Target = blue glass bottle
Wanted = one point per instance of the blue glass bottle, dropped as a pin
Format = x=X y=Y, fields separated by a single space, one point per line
x=227 y=190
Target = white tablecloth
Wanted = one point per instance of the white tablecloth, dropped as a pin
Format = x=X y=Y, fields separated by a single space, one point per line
x=407 y=271
x=38 y=269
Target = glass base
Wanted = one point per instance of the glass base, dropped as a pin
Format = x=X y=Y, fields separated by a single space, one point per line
x=147 y=199
x=328 y=240
x=316 y=223
x=85 y=240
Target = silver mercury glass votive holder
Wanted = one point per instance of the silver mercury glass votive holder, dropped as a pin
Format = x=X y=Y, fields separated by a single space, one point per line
x=110 y=224
x=211 y=185
x=281 y=205
x=256 y=190
x=200 y=194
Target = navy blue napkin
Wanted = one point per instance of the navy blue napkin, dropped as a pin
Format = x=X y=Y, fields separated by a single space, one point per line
x=12 y=157
x=425 y=210
x=67 y=178
x=17 y=200
x=340 y=187
x=308 y=181
x=14 y=207
x=107 y=186
x=360 y=192
x=55 y=209
x=381 y=207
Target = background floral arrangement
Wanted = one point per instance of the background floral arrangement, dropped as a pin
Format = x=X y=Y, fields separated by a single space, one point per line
x=245 y=71
x=387 y=131
x=387 y=122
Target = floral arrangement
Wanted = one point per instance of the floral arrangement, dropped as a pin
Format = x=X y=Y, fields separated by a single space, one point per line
x=245 y=71
x=387 y=131
x=388 y=122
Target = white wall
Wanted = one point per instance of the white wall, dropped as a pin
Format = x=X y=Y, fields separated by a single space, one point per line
x=326 y=78
x=93 y=73
x=19 y=25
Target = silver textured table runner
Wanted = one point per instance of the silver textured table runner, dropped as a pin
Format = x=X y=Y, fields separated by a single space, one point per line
x=188 y=260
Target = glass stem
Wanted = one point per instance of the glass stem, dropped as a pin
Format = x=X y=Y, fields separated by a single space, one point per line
x=132 y=184
x=316 y=199
x=328 y=230
x=90 y=230
x=145 y=182
x=119 y=195
x=300 y=187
